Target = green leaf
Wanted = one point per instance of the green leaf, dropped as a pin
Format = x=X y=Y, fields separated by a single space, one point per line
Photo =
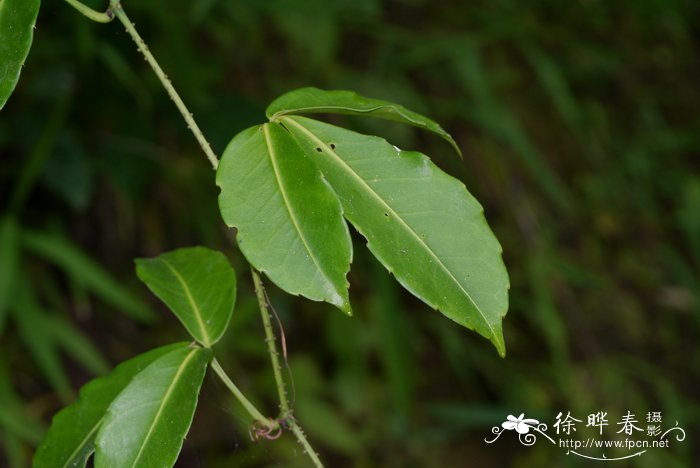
x=419 y=222
x=83 y=269
x=314 y=101
x=17 y=19
x=197 y=284
x=9 y=253
x=71 y=437
x=290 y=223
x=146 y=424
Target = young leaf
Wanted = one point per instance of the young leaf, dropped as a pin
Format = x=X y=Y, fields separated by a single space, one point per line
x=17 y=19
x=9 y=253
x=290 y=223
x=419 y=222
x=146 y=424
x=197 y=284
x=81 y=267
x=314 y=101
x=71 y=437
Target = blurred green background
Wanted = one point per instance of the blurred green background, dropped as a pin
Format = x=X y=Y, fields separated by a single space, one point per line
x=580 y=126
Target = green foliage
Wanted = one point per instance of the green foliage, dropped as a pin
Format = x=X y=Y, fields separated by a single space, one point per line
x=579 y=126
x=420 y=223
x=71 y=438
x=146 y=424
x=320 y=101
x=17 y=19
x=198 y=285
x=289 y=221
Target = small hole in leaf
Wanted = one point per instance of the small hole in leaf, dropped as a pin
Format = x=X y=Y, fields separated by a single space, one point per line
x=318 y=149
x=332 y=145
x=386 y=214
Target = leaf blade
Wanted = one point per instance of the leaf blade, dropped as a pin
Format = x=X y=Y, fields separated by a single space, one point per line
x=199 y=286
x=70 y=440
x=421 y=223
x=313 y=100
x=169 y=386
x=289 y=221
x=17 y=19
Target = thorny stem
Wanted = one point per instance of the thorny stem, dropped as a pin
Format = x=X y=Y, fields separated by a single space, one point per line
x=252 y=410
x=271 y=343
x=118 y=11
x=285 y=411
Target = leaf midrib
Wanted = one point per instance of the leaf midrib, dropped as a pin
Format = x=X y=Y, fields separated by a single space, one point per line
x=206 y=340
x=163 y=404
x=401 y=221
x=82 y=443
x=270 y=149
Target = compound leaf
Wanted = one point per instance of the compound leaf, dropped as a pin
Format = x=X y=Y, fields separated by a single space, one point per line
x=422 y=224
x=17 y=19
x=146 y=424
x=314 y=100
x=198 y=284
x=290 y=223
x=71 y=437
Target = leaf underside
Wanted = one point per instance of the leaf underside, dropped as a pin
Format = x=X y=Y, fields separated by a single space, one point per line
x=313 y=101
x=422 y=224
x=198 y=284
x=146 y=424
x=289 y=221
x=71 y=437
x=17 y=19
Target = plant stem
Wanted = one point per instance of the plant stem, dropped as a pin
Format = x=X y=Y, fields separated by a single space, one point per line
x=286 y=413
x=271 y=343
x=116 y=7
x=94 y=15
x=252 y=410
x=301 y=437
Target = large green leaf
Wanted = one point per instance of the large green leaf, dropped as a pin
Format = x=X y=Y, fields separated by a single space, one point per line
x=419 y=222
x=17 y=19
x=146 y=424
x=71 y=437
x=197 y=284
x=314 y=100
x=9 y=253
x=86 y=271
x=290 y=223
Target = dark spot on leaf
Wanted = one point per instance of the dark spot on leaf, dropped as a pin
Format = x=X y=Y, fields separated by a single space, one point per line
x=332 y=145
x=318 y=149
x=386 y=214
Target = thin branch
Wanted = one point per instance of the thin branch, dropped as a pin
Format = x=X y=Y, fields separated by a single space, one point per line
x=118 y=11
x=94 y=15
x=252 y=410
x=286 y=418
x=271 y=343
